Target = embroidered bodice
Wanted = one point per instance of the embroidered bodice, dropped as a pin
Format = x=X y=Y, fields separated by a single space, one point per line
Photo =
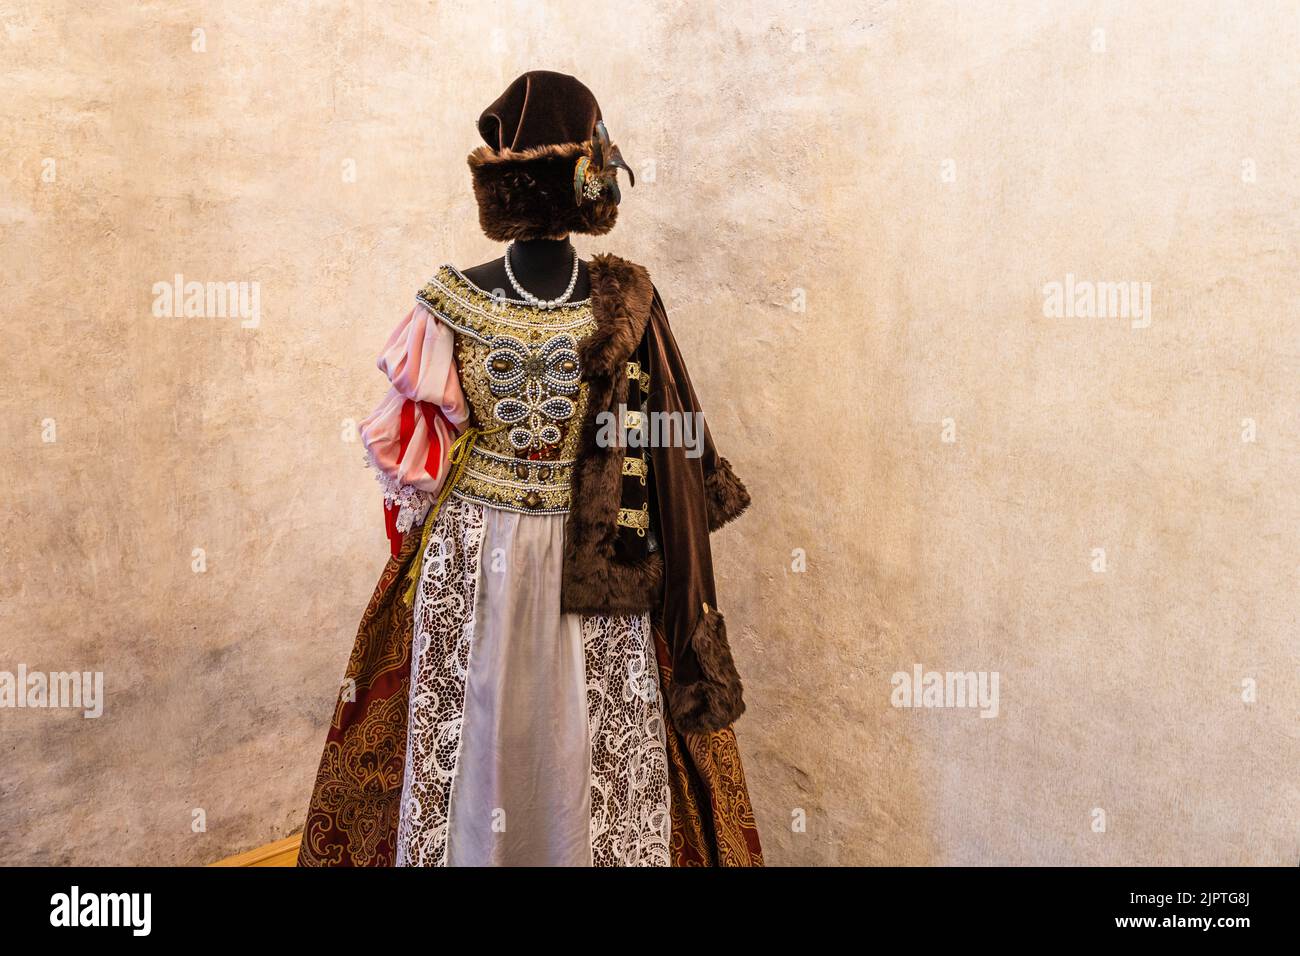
x=519 y=367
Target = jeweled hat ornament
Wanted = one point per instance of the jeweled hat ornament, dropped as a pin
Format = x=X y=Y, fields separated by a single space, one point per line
x=549 y=168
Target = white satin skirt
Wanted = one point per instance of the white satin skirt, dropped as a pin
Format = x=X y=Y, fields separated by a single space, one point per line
x=535 y=738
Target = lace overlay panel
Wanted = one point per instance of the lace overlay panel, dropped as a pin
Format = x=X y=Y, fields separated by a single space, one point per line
x=444 y=630
x=630 y=822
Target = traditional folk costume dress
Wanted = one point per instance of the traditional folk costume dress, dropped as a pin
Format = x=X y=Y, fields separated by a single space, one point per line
x=542 y=675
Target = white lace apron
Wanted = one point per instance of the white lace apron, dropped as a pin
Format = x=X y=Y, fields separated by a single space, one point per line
x=535 y=737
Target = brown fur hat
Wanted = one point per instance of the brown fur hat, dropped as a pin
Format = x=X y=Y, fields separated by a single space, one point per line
x=536 y=132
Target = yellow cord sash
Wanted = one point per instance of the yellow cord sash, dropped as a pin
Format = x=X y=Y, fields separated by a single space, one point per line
x=458 y=457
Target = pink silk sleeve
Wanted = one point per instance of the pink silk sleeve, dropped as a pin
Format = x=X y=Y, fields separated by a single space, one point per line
x=409 y=435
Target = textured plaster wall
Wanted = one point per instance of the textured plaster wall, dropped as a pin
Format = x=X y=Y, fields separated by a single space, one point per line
x=851 y=210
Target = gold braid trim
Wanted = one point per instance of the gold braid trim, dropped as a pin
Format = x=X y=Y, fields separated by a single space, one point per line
x=459 y=457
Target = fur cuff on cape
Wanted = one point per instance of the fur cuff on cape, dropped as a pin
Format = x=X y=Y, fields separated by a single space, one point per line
x=716 y=699
x=528 y=194
x=726 y=495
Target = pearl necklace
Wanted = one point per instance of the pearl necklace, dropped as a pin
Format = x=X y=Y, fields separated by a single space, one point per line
x=532 y=299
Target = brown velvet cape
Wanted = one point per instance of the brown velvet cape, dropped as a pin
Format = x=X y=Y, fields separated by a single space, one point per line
x=608 y=569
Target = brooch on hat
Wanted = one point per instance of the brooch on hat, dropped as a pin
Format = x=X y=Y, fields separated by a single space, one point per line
x=596 y=176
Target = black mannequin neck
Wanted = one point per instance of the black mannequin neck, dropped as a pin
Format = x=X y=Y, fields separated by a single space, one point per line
x=542 y=266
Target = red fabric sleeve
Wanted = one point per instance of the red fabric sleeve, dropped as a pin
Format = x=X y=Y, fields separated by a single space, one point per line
x=431 y=414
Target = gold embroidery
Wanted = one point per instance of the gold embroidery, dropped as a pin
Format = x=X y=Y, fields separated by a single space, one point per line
x=707 y=781
x=356 y=800
x=530 y=487
x=638 y=518
x=635 y=468
x=354 y=810
x=519 y=369
x=635 y=374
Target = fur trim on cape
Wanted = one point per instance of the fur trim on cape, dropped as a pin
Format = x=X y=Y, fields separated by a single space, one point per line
x=595 y=581
x=726 y=495
x=717 y=698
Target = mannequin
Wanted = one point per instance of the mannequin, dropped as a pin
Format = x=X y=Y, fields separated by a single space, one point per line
x=545 y=643
x=542 y=266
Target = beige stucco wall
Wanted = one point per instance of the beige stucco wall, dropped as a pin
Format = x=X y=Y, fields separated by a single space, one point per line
x=847 y=298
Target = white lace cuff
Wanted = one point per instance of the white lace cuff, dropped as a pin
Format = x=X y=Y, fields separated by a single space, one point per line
x=411 y=503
